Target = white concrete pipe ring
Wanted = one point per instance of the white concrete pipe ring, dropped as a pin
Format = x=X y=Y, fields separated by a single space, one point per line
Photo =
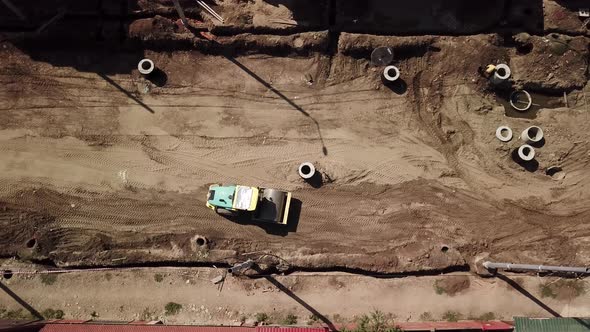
x=504 y=134
x=146 y=66
x=532 y=134
x=306 y=170
x=387 y=73
x=502 y=72
x=513 y=104
x=526 y=152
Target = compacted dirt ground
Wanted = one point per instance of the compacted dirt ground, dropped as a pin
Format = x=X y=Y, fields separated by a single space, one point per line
x=101 y=166
x=312 y=298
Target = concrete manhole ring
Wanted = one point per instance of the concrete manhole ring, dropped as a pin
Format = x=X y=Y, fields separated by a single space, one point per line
x=504 y=133
x=146 y=66
x=522 y=105
x=526 y=152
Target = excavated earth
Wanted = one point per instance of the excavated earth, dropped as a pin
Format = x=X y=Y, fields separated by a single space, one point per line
x=100 y=166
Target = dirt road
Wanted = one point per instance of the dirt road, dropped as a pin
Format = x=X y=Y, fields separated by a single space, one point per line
x=103 y=167
x=303 y=295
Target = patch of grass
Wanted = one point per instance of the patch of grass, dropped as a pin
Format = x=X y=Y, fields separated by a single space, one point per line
x=158 y=277
x=52 y=314
x=487 y=316
x=48 y=278
x=313 y=319
x=547 y=291
x=290 y=320
x=376 y=321
x=18 y=314
x=451 y=316
x=438 y=289
x=262 y=317
x=426 y=316
x=94 y=315
x=172 y=308
x=148 y=315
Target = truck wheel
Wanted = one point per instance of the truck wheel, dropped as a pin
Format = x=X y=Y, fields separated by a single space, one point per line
x=224 y=212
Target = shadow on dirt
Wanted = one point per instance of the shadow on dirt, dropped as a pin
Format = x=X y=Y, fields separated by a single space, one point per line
x=297 y=299
x=398 y=87
x=20 y=301
x=270 y=228
x=527 y=294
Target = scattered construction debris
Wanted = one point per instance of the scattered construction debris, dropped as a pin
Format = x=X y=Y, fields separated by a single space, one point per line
x=504 y=133
x=210 y=10
x=382 y=56
x=241 y=267
x=180 y=13
x=217 y=279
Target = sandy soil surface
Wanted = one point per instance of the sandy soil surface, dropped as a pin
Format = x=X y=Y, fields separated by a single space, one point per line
x=238 y=300
x=101 y=166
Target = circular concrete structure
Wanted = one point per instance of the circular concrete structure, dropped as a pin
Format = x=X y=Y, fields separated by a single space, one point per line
x=504 y=133
x=146 y=66
x=501 y=74
x=306 y=170
x=391 y=73
x=532 y=134
x=526 y=152
x=518 y=104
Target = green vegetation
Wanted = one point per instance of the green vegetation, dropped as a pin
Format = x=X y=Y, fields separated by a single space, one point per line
x=438 y=289
x=148 y=315
x=563 y=288
x=547 y=291
x=451 y=316
x=18 y=314
x=262 y=317
x=290 y=320
x=374 y=322
x=158 y=277
x=487 y=316
x=52 y=314
x=426 y=316
x=313 y=319
x=172 y=308
x=48 y=278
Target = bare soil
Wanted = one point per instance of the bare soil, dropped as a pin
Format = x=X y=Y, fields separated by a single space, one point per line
x=102 y=166
x=239 y=300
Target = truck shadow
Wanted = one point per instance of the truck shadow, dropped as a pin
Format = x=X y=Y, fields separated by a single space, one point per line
x=269 y=228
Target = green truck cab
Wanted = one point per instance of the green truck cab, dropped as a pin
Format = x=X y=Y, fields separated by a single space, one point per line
x=264 y=204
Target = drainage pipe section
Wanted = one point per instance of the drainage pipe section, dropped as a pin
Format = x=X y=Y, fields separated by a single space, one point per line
x=538 y=268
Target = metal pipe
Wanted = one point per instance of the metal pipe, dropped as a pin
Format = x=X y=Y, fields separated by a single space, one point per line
x=239 y=268
x=538 y=268
x=15 y=10
x=180 y=13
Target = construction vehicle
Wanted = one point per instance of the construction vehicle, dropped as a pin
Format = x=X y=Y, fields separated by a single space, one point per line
x=262 y=204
